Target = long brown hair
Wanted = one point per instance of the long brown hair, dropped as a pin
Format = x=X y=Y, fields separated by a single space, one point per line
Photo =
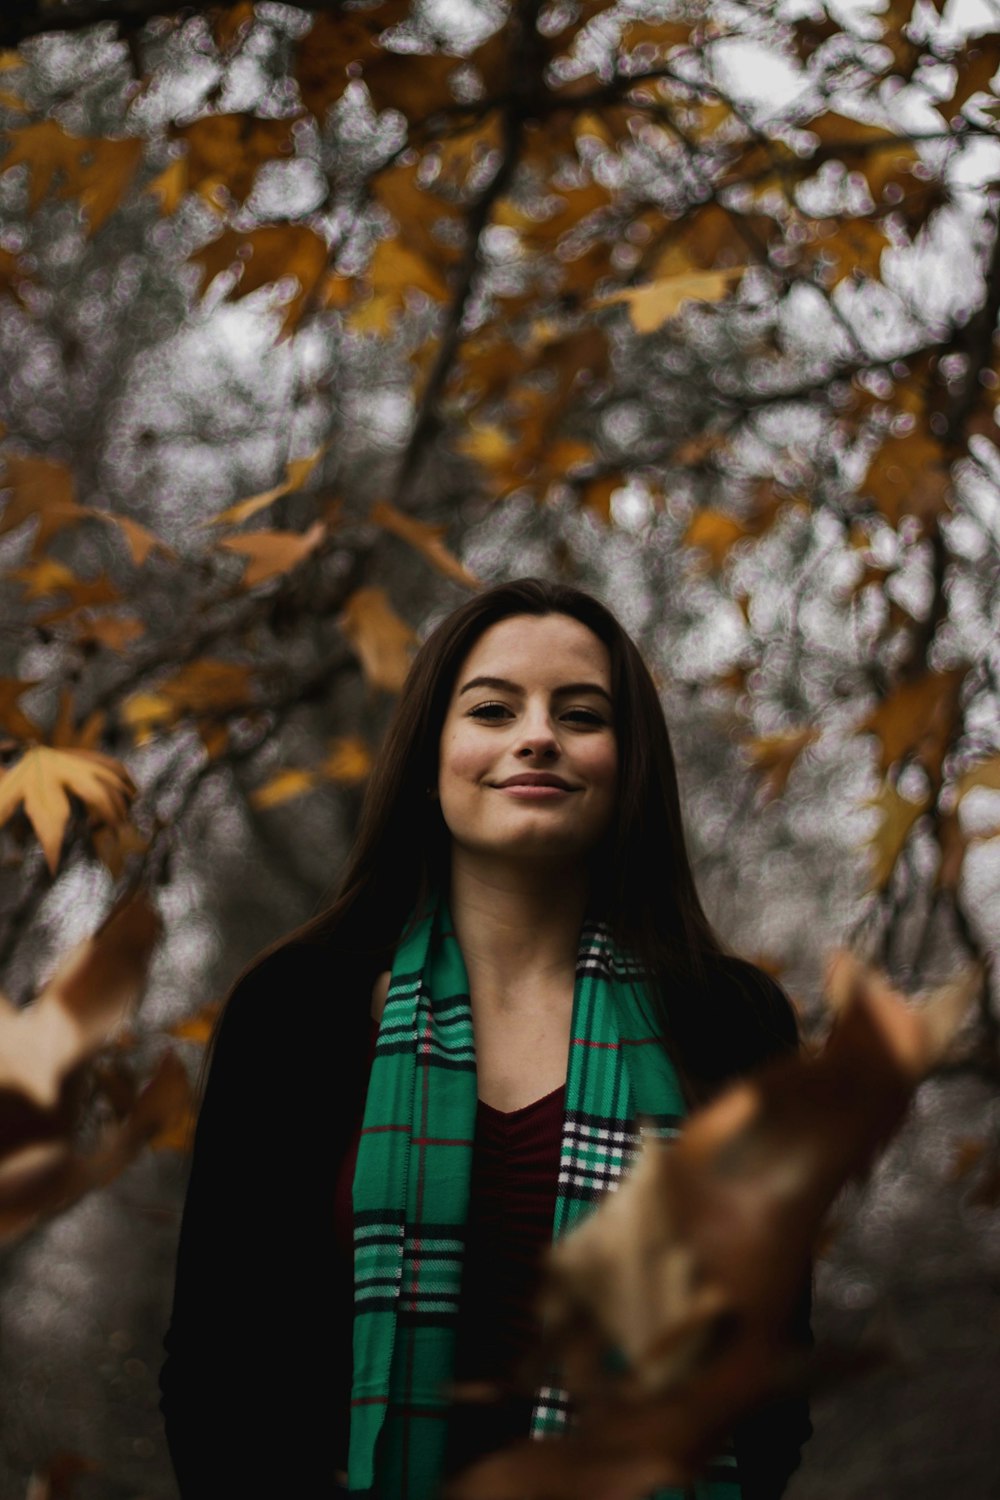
x=642 y=883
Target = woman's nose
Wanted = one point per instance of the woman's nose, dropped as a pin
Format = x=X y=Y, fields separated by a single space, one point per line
x=538 y=737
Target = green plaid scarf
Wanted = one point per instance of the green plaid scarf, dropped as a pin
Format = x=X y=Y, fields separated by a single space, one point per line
x=411 y=1188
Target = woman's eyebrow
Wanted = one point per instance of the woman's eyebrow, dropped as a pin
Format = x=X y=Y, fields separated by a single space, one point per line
x=504 y=685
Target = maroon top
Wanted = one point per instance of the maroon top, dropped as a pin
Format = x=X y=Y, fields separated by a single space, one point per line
x=512 y=1197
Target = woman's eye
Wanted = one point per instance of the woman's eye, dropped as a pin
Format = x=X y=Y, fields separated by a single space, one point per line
x=585 y=716
x=489 y=711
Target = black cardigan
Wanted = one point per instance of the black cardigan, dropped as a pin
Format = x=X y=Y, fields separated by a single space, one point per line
x=256 y=1384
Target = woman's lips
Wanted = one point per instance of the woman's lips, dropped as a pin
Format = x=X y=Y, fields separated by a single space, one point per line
x=535 y=793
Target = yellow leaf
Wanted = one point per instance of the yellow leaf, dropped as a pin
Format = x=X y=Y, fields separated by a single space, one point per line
x=383 y=642
x=898 y=817
x=348 y=762
x=975 y=67
x=274 y=552
x=776 y=754
x=282 y=787
x=297 y=471
x=142 y=712
x=653 y=305
x=426 y=539
x=42 y=781
x=486 y=442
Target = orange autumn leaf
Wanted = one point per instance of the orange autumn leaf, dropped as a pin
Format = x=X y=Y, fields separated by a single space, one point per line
x=42 y=489
x=775 y=755
x=383 y=642
x=425 y=539
x=270 y=553
x=653 y=305
x=226 y=151
x=297 y=471
x=918 y=717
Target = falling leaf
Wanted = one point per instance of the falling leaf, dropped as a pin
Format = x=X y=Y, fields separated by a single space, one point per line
x=898 y=817
x=653 y=305
x=426 y=539
x=666 y=1311
x=92 y=992
x=297 y=471
x=383 y=642
x=43 y=780
x=776 y=754
x=274 y=552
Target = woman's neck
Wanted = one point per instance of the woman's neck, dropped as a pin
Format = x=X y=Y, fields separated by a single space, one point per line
x=518 y=929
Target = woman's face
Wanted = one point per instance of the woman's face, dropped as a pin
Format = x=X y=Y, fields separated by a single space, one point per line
x=528 y=756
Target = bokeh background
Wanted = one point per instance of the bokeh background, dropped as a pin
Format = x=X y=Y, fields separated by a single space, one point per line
x=313 y=319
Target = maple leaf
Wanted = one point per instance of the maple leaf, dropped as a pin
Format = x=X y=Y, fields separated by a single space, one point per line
x=42 y=782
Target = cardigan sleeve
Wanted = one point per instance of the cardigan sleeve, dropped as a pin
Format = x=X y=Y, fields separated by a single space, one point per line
x=250 y=1387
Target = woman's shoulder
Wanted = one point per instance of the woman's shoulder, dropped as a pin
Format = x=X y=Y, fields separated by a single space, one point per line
x=742 y=1020
x=297 y=990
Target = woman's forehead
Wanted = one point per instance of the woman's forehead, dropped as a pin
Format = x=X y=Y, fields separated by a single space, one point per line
x=538 y=645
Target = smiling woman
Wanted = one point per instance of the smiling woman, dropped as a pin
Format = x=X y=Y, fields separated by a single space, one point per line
x=416 y=1092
